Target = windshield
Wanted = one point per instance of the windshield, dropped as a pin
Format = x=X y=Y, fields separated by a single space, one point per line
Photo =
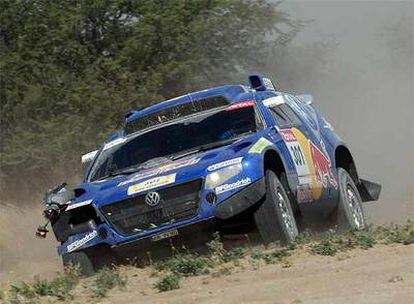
x=165 y=143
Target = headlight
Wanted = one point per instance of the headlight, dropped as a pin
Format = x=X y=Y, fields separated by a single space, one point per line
x=221 y=176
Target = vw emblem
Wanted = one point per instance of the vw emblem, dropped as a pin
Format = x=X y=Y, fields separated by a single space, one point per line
x=152 y=199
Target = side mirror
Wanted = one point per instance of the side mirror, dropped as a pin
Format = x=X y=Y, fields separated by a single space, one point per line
x=86 y=158
x=305 y=98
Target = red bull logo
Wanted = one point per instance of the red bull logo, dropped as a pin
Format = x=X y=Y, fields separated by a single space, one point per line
x=322 y=166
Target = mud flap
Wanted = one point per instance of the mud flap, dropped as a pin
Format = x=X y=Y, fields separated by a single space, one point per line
x=369 y=191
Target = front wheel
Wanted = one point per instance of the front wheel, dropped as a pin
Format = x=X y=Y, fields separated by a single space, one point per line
x=79 y=259
x=350 y=214
x=274 y=217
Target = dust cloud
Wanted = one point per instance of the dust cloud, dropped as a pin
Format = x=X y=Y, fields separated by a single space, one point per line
x=22 y=256
x=356 y=58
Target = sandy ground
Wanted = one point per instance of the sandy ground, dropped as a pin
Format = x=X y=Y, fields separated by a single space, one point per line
x=384 y=274
x=22 y=255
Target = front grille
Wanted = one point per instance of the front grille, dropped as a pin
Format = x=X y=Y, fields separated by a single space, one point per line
x=179 y=202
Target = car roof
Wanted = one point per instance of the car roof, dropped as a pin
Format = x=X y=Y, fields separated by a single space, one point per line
x=233 y=93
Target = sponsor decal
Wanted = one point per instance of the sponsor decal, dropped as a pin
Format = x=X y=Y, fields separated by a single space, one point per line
x=288 y=135
x=322 y=165
x=298 y=156
x=313 y=166
x=232 y=186
x=152 y=183
x=114 y=143
x=240 y=105
x=226 y=163
x=273 y=101
x=76 y=244
x=260 y=145
x=160 y=170
x=79 y=204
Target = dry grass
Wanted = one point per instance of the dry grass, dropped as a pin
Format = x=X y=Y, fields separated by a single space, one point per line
x=218 y=262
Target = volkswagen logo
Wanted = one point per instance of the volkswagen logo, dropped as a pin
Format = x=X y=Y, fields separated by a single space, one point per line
x=152 y=199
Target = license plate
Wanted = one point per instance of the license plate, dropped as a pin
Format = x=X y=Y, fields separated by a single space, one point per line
x=164 y=235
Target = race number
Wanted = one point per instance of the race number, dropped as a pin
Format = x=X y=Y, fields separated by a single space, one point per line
x=297 y=155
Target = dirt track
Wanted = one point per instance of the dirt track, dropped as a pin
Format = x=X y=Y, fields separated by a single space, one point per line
x=384 y=274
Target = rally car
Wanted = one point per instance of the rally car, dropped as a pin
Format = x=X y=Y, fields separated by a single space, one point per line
x=221 y=155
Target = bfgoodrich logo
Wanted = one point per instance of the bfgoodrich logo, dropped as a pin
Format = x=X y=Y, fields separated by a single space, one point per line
x=76 y=244
x=235 y=185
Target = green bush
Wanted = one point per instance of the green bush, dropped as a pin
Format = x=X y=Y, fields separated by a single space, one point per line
x=105 y=280
x=325 y=247
x=403 y=234
x=168 y=282
x=218 y=254
x=271 y=256
x=361 y=238
x=188 y=264
x=60 y=287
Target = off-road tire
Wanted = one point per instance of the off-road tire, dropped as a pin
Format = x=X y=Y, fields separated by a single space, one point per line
x=79 y=259
x=274 y=217
x=349 y=213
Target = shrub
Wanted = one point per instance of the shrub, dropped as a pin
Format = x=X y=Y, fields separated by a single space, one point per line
x=188 y=264
x=60 y=287
x=271 y=257
x=325 y=247
x=168 y=282
x=395 y=234
x=105 y=280
x=221 y=255
x=362 y=238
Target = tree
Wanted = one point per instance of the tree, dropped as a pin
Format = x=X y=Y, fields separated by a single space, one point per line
x=70 y=69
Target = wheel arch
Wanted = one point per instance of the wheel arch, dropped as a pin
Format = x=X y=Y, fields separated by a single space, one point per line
x=344 y=160
x=273 y=161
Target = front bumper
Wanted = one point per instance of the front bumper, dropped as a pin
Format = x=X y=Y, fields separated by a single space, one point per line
x=242 y=200
x=225 y=208
x=105 y=235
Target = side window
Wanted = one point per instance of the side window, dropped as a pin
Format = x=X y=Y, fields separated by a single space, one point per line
x=284 y=116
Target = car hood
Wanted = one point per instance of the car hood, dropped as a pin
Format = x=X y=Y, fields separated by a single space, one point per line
x=187 y=168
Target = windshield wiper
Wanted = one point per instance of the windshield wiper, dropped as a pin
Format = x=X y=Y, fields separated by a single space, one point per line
x=204 y=148
x=117 y=173
x=210 y=146
x=151 y=162
x=125 y=171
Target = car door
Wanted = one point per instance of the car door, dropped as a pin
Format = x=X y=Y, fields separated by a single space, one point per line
x=322 y=178
x=305 y=148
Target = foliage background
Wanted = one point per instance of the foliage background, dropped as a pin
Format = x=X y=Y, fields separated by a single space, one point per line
x=71 y=69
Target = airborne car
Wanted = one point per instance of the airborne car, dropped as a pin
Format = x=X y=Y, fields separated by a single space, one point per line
x=216 y=156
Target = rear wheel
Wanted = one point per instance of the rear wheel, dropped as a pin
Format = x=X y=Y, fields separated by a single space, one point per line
x=274 y=217
x=79 y=259
x=350 y=214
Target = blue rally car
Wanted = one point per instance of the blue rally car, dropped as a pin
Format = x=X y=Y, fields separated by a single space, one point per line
x=220 y=157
